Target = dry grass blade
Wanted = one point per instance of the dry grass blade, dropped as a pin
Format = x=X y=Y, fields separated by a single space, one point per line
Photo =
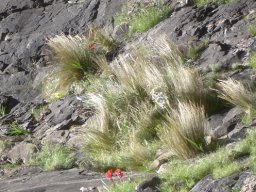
x=101 y=119
x=187 y=84
x=185 y=129
x=138 y=73
x=168 y=51
x=234 y=92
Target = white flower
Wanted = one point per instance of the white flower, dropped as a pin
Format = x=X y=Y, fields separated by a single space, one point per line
x=82 y=189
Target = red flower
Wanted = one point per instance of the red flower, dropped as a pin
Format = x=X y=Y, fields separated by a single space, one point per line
x=109 y=174
x=91 y=46
x=119 y=173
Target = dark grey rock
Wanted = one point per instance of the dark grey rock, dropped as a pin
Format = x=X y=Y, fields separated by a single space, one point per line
x=63 y=113
x=150 y=185
x=228 y=123
x=21 y=152
x=227 y=184
x=121 y=31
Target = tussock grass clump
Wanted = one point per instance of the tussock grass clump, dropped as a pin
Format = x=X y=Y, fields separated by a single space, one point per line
x=187 y=84
x=79 y=57
x=235 y=93
x=54 y=157
x=185 y=129
x=132 y=105
x=73 y=57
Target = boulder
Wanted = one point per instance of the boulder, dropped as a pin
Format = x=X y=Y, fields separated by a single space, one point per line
x=21 y=152
x=237 y=182
x=228 y=123
x=149 y=185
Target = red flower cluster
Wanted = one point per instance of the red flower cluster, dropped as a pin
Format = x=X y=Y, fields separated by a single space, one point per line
x=91 y=46
x=117 y=172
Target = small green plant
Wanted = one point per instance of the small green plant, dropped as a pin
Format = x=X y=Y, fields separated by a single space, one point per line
x=252 y=61
x=194 y=52
x=252 y=29
x=9 y=166
x=126 y=186
x=4 y=145
x=2 y=110
x=54 y=157
x=215 y=67
x=73 y=56
x=235 y=66
x=15 y=129
x=38 y=112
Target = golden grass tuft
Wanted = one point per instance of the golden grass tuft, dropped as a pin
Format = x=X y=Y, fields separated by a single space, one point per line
x=235 y=93
x=185 y=129
x=187 y=84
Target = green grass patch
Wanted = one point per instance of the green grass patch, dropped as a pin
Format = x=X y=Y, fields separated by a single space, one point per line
x=148 y=18
x=142 y=17
x=204 y=2
x=252 y=61
x=125 y=186
x=38 y=112
x=182 y=176
x=15 y=129
x=9 y=166
x=194 y=52
x=54 y=157
x=252 y=29
x=4 y=145
x=2 y=110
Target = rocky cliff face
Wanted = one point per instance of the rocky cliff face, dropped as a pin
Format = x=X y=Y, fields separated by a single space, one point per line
x=25 y=25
